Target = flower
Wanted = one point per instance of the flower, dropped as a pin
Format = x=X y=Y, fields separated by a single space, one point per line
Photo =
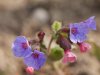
x=30 y=70
x=90 y=22
x=78 y=31
x=35 y=60
x=84 y=47
x=20 y=47
x=69 y=57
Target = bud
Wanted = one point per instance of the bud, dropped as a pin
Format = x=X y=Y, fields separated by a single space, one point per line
x=56 y=26
x=63 y=43
x=69 y=57
x=41 y=36
x=30 y=70
x=84 y=47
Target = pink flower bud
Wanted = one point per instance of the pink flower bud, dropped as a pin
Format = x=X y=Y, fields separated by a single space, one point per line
x=84 y=47
x=69 y=57
x=30 y=70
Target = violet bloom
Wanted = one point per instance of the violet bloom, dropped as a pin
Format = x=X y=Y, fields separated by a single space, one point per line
x=90 y=22
x=21 y=47
x=36 y=60
x=69 y=57
x=78 y=31
x=84 y=47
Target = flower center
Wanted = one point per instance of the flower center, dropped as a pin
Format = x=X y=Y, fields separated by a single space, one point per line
x=35 y=55
x=24 y=45
x=74 y=31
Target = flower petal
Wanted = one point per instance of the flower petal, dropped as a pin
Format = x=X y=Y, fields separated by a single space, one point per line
x=91 y=23
x=36 y=63
x=84 y=47
x=18 y=49
x=69 y=57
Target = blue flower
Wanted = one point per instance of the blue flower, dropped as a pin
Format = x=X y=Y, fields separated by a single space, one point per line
x=20 y=47
x=78 y=31
x=35 y=60
x=91 y=23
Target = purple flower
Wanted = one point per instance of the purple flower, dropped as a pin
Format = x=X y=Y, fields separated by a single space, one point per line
x=78 y=31
x=35 y=60
x=21 y=47
x=90 y=22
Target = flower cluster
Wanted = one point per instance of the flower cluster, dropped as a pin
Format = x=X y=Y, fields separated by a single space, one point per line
x=32 y=58
x=75 y=33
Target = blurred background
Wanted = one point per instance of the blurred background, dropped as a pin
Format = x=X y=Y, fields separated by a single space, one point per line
x=27 y=17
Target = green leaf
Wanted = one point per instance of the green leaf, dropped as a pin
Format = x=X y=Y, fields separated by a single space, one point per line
x=56 y=53
x=56 y=26
x=43 y=48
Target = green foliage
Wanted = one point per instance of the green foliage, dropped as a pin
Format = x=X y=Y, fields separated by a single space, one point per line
x=56 y=53
x=56 y=26
x=43 y=48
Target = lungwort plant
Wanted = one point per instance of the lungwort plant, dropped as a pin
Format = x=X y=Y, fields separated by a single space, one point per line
x=75 y=33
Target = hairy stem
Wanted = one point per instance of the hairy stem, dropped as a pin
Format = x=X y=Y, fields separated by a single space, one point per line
x=49 y=46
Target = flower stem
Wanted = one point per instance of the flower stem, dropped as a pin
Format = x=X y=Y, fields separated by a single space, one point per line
x=49 y=46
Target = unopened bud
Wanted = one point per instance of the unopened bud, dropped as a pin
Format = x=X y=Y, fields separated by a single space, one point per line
x=30 y=70
x=41 y=36
x=63 y=43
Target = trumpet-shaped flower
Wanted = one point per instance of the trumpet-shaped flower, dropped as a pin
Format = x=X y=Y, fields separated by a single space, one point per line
x=78 y=31
x=69 y=57
x=90 y=22
x=84 y=47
